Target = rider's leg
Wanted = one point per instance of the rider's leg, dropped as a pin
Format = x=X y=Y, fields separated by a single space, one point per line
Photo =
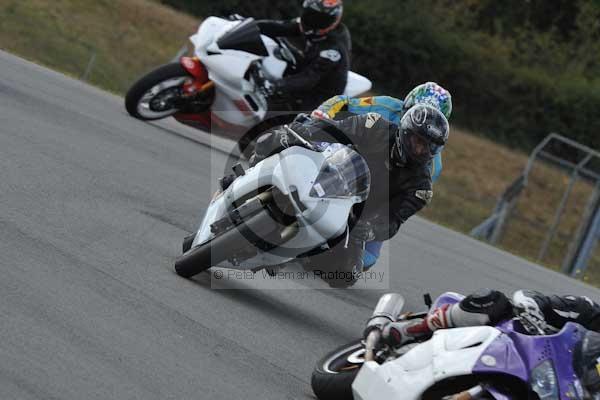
x=556 y=311
x=264 y=146
x=436 y=167
x=481 y=308
x=340 y=265
x=372 y=253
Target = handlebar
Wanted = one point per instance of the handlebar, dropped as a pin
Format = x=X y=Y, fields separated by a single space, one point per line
x=300 y=139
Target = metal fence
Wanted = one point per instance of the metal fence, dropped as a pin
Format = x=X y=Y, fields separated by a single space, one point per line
x=580 y=166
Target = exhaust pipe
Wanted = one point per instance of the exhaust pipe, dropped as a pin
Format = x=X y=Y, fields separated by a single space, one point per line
x=387 y=310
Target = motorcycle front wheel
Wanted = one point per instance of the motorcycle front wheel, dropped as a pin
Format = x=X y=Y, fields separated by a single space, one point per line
x=333 y=375
x=202 y=257
x=157 y=94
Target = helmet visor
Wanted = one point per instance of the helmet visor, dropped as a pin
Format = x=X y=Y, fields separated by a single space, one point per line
x=312 y=19
x=419 y=148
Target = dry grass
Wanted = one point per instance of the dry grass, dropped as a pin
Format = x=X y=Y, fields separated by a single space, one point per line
x=477 y=171
x=129 y=37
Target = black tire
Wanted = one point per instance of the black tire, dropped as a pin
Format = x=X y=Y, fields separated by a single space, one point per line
x=147 y=82
x=333 y=375
x=204 y=256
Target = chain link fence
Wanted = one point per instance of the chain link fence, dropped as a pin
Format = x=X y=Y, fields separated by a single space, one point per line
x=546 y=214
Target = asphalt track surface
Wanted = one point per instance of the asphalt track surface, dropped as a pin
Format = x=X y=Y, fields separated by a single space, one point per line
x=93 y=208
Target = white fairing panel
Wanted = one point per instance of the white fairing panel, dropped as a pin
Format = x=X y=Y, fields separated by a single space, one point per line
x=293 y=169
x=210 y=30
x=451 y=352
x=357 y=85
x=227 y=69
x=272 y=66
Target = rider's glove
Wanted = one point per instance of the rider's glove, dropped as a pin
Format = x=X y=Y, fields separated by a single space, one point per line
x=302 y=118
x=362 y=231
x=318 y=114
x=271 y=89
x=527 y=309
x=283 y=139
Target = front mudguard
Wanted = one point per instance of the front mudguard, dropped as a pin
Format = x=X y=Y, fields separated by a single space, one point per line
x=195 y=68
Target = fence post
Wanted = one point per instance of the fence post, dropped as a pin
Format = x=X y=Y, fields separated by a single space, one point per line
x=587 y=246
x=89 y=67
x=577 y=246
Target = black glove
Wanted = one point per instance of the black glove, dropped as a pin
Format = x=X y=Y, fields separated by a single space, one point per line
x=362 y=231
x=286 y=139
x=302 y=118
x=269 y=88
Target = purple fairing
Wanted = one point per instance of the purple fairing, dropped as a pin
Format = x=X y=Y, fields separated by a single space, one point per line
x=447 y=298
x=517 y=354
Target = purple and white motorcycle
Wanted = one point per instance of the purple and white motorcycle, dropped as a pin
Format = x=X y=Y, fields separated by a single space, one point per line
x=484 y=362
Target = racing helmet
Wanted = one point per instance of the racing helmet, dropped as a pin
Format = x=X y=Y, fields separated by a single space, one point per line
x=320 y=16
x=430 y=93
x=422 y=134
x=586 y=362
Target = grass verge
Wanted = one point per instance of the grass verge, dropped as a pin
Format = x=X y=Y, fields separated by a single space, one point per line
x=126 y=37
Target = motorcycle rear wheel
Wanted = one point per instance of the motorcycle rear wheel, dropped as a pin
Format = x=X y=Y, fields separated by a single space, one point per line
x=155 y=95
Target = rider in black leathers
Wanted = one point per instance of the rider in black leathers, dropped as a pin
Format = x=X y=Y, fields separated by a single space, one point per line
x=321 y=64
x=397 y=157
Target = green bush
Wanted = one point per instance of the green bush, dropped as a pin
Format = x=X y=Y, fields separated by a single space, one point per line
x=516 y=72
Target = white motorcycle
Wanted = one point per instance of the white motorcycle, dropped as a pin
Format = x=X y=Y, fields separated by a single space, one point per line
x=294 y=204
x=222 y=83
x=515 y=359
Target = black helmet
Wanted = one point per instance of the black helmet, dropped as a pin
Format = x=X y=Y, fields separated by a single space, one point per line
x=320 y=16
x=586 y=362
x=422 y=134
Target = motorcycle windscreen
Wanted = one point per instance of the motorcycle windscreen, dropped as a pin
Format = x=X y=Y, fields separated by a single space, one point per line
x=244 y=37
x=344 y=174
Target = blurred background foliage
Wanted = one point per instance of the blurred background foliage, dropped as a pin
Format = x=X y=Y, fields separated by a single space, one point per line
x=517 y=69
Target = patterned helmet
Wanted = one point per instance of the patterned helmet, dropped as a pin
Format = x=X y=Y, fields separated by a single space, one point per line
x=320 y=16
x=432 y=94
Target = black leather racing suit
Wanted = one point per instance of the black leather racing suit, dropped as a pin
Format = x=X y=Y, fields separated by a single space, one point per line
x=490 y=307
x=322 y=64
x=397 y=192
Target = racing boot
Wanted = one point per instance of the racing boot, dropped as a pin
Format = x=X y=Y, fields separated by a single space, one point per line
x=399 y=333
